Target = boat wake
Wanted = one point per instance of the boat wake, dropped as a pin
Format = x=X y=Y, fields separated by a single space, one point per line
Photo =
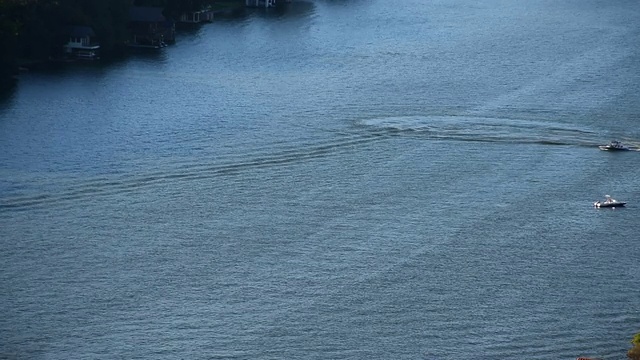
x=486 y=129
x=60 y=190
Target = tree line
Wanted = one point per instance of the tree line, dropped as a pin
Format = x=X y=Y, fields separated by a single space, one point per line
x=36 y=30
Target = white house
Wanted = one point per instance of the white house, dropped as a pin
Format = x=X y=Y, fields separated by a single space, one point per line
x=82 y=43
x=194 y=17
x=260 y=3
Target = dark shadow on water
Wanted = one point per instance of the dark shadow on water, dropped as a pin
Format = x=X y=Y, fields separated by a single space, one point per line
x=342 y=2
x=51 y=71
x=189 y=29
x=62 y=66
x=231 y=15
x=148 y=55
x=7 y=91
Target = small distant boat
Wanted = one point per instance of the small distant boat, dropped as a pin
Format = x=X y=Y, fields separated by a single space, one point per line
x=613 y=146
x=609 y=202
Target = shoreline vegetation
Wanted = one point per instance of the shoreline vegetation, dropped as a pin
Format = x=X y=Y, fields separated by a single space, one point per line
x=33 y=32
x=634 y=353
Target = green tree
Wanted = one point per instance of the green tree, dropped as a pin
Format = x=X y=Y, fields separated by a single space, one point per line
x=9 y=30
x=634 y=353
x=43 y=33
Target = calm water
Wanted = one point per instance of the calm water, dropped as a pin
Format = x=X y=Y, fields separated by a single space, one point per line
x=334 y=180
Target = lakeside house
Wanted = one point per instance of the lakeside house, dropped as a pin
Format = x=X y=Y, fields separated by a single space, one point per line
x=195 y=17
x=82 y=43
x=264 y=3
x=149 y=28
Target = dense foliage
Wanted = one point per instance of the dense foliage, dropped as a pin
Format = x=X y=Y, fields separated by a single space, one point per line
x=41 y=27
x=9 y=30
x=634 y=353
x=36 y=30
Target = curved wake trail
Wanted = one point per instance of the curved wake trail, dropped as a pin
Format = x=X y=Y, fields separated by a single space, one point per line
x=68 y=190
x=487 y=129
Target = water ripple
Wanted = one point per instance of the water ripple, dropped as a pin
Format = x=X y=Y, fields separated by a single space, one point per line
x=187 y=172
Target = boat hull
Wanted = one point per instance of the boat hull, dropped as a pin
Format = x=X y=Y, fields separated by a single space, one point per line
x=611 y=148
x=610 y=205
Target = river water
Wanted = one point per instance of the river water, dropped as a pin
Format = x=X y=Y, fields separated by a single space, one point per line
x=332 y=180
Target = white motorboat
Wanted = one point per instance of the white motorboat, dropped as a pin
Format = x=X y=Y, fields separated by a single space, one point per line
x=613 y=146
x=609 y=202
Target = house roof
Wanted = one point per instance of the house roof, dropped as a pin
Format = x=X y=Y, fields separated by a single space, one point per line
x=146 y=14
x=81 y=31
